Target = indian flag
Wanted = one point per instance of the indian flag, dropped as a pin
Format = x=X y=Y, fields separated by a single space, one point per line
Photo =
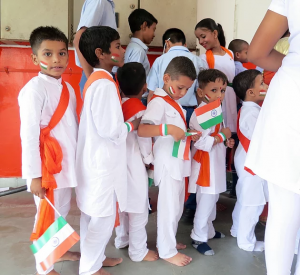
x=210 y=114
x=262 y=93
x=181 y=148
x=44 y=65
x=150 y=175
x=54 y=243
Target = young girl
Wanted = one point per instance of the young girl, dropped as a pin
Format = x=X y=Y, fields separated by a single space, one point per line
x=211 y=37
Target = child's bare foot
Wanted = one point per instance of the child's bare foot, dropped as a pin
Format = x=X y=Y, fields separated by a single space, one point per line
x=101 y=272
x=110 y=262
x=151 y=256
x=69 y=256
x=179 y=259
x=180 y=246
x=52 y=272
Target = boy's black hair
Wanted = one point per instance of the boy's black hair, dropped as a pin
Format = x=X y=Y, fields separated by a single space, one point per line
x=211 y=25
x=41 y=34
x=210 y=75
x=138 y=17
x=243 y=82
x=174 y=35
x=96 y=37
x=181 y=66
x=131 y=78
x=236 y=45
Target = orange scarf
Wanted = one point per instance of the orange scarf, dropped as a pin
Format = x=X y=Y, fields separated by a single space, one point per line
x=131 y=107
x=51 y=156
x=210 y=59
x=202 y=157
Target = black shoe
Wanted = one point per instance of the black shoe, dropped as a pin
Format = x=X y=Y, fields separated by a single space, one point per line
x=188 y=216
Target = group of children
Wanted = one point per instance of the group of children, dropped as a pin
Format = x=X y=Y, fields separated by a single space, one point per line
x=106 y=157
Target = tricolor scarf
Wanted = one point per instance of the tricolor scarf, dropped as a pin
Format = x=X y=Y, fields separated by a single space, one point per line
x=131 y=107
x=210 y=59
x=51 y=157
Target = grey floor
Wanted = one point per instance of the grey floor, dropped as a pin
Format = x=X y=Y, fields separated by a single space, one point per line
x=16 y=218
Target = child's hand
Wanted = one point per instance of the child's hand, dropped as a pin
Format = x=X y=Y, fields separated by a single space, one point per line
x=176 y=132
x=36 y=188
x=136 y=123
x=147 y=166
x=226 y=131
x=230 y=142
x=195 y=137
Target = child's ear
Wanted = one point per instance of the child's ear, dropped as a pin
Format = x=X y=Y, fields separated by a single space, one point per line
x=145 y=88
x=200 y=92
x=34 y=59
x=250 y=93
x=166 y=78
x=237 y=55
x=144 y=26
x=215 y=33
x=99 y=53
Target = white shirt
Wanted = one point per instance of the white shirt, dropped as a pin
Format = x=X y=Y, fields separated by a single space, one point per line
x=38 y=100
x=160 y=112
x=101 y=151
x=226 y=65
x=275 y=148
x=251 y=190
x=155 y=77
x=217 y=159
x=139 y=153
x=136 y=51
x=96 y=13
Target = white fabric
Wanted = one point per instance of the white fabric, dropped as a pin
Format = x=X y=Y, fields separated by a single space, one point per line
x=281 y=231
x=280 y=164
x=132 y=232
x=38 y=101
x=217 y=159
x=62 y=202
x=96 y=13
x=95 y=233
x=239 y=67
x=226 y=65
x=155 y=77
x=101 y=151
x=139 y=153
x=136 y=51
x=169 y=210
x=206 y=212
x=160 y=112
x=245 y=219
x=251 y=190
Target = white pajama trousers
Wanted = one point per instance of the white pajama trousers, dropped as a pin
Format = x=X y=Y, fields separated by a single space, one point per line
x=95 y=233
x=245 y=219
x=205 y=214
x=281 y=231
x=169 y=210
x=132 y=232
x=62 y=202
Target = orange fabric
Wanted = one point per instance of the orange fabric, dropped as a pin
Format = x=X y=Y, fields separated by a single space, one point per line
x=174 y=104
x=131 y=107
x=202 y=157
x=94 y=77
x=249 y=65
x=268 y=76
x=210 y=59
x=51 y=156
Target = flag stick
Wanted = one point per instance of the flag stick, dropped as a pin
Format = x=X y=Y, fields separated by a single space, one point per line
x=52 y=206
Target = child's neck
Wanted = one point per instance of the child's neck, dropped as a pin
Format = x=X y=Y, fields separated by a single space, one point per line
x=251 y=100
x=217 y=50
x=106 y=67
x=139 y=35
x=55 y=77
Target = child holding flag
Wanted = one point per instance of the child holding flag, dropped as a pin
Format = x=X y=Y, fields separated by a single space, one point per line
x=49 y=135
x=251 y=190
x=165 y=120
x=208 y=175
x=132 y=229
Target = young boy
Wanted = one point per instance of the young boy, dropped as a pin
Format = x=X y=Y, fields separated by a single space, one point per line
x=251 y=190
x=101 y=150
x=208 y=175
x=48 y=110
x=239 y=48
x=132 y=229
x=165 y=120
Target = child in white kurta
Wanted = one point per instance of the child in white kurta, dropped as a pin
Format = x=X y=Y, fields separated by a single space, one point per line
x=251 y=190
x=164 y=119
x=38 y=101
x=132 y=229
x=212 y=86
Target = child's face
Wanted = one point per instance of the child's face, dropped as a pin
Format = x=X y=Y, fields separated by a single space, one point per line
x=52 y=57
x=149 y=33
x=258 y=92
x=213 y=91
x=207 y=39
x=177 y=88
x=117 y=53
x=242 y=56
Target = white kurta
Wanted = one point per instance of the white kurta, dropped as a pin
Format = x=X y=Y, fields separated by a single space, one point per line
x=226 y=65
x=38 y=100
x=160 y=112
x=217 y=158
x=251 y=190
x=101 y=151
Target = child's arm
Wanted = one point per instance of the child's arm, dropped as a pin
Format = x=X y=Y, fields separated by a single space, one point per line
x=153 y=79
